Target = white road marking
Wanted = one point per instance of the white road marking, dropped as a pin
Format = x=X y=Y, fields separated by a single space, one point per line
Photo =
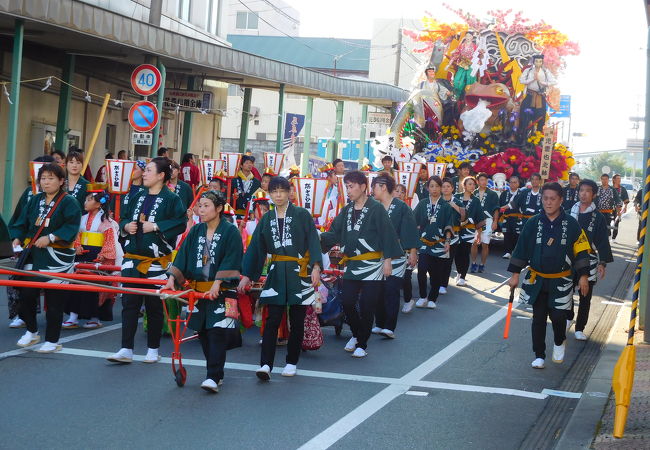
x=74 y=337
x=334 y=376
x=357 y=416
x=565 y=394
x=524 y=317
x=608 y=302
x=417 y=393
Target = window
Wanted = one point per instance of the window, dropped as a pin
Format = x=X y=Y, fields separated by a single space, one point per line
x=213 y=16
x=260 y=136
x=184 y=7
x=110 y=138
x=246 y=20
x=234 y=90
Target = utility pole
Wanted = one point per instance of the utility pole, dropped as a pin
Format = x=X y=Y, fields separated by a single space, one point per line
x=398 y=53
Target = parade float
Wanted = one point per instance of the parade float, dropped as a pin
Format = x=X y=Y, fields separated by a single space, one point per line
x=481 y=96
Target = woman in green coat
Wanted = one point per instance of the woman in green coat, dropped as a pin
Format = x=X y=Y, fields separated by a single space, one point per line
x=152 y=222
x=179 y=187
x=52 y=251
x=467 y=234
x=210 y=260
x=75 y=183
x=287 y=233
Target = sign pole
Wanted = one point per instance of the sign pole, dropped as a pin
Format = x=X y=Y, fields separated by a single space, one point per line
x=98 y=127
x=159 y=104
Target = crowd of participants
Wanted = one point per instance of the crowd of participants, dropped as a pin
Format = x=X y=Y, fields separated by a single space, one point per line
x=222 y=245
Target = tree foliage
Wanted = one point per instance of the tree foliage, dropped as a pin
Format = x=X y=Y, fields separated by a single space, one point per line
x=616 y=163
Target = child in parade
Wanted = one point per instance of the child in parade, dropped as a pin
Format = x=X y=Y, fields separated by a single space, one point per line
x=289 y=235
x=434 y=219
x=594 y=226
x=369 y=243
x=51 y=219
x=556 y=249
x=151 y=224
x=245 y=184
x=401 y=216
x=97 y=241
x=209 y=260
x=489 y=201
x=457 y=216
x=468 y=234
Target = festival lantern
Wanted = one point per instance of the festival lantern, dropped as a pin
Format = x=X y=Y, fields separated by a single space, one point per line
x=436 y=168
x=311 y=194
x=410 y=166
x=343 y=192
x=408 y=179
x=232 y=161
x=119 y=173
x=210 y=167
x=274 y=161
x=371 y=176
x=34 y=167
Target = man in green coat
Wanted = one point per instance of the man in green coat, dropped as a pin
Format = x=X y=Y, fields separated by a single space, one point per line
x=369 y=243
x=289 y=235
x=556 y=250
x=490 y=205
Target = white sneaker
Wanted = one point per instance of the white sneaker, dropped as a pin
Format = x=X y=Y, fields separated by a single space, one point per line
x=461 y=282
x=442 y=290
x=388 y=333
x=431 y=305
x=408 y=306
x=152 y=356
x=537 y=364
x=421 y=303
x=264 y=373
x=124 y=355
x=351 y=345
x=568 y=325
x=49 y=347
x=558 y=352
x=359 y=353
x=375 y=330
x=28 y=339
x=17 y=322
x=289 y=370
x=580 y=336
x=210 y=386
x=507 y=256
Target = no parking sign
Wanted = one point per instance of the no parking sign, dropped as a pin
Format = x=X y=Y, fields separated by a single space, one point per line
x=143 y=116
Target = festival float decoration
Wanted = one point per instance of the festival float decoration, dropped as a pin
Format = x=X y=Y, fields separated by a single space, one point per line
x=482 y=96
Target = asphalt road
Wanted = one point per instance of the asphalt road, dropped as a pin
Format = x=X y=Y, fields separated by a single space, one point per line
x=448 y=380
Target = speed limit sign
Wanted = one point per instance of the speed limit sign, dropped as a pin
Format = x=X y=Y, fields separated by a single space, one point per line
x=146 y=79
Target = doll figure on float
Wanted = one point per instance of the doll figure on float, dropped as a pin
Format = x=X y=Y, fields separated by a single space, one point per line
x=537 y=80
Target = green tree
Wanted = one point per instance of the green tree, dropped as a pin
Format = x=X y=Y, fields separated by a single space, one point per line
x=616 y=163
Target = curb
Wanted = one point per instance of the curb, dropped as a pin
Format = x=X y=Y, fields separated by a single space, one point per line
x=583 y=425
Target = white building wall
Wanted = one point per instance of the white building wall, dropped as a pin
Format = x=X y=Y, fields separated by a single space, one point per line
x=274 y=15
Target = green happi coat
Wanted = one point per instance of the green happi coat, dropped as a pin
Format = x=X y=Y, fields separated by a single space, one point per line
x=421 y=190
x=455 y=218
x=372 y=232
x=79 y=191
x=25 y=197
x=562 y=247
x=223 y=260
x=473 y=216
x=594 y=224
x=510 y=220
x=403 y=220
x=64 y=224
x=489 y=202
x=434 y=222
x=184 y=192
x=298 y=236
x=527 y=203
x=169 y=214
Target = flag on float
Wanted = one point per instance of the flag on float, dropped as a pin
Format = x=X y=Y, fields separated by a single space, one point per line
x=293 y=124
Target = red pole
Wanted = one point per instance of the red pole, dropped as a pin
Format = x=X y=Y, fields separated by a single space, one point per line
x=117 y=208
x=95 y=278
x=506 y=330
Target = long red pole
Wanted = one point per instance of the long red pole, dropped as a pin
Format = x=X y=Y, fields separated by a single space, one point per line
x=96 y=278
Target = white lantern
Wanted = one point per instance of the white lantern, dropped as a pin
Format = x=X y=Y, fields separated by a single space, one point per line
x=209 y=167
x=410 y=166
x=436 y=168
x=34 y=167
x=311 y=194
x=408 y=179
x=274 y=161
x=119 y=173
x=232 y=162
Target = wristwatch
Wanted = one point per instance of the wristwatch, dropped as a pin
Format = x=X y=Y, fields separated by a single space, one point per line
x=51 y=237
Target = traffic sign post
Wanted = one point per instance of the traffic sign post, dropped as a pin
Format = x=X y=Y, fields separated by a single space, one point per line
x=146 y=79
x=143 y=116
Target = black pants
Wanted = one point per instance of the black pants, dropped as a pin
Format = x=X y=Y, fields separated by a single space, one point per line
x=131 y=305
x=541 y=311
x=214 y=342
x=387 y=308
x=444 y=281
x=296 y=333
x=583 y=309
x=510 y=241
x=462 y=258
x=530 y=114
x=437 y=269
x=608 y=222
x=359 y=299
x=617 y=222
x=54 y=299
x=407 y=285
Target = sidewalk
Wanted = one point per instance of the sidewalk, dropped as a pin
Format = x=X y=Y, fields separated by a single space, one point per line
x=637 y=429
